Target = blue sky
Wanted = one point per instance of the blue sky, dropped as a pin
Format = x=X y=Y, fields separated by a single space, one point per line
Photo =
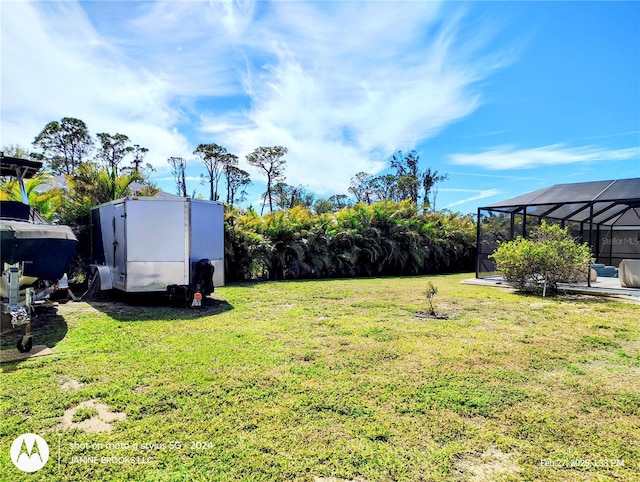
x=504 y=97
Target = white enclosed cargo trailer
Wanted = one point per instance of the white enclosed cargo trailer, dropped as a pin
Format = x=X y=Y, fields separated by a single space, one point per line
x=153 y=244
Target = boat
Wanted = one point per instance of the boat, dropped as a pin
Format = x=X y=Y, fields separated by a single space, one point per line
x=34 y=254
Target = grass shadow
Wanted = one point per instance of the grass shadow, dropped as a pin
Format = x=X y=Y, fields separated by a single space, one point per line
x=147 y=307
x=47 y=328
x=596 y=299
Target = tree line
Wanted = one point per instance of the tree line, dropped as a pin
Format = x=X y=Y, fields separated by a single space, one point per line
x=385 y=225
x=408 y=181
x=67 y=148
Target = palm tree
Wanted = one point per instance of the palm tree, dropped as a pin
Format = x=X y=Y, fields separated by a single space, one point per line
x=91 y=184
x=45 y=201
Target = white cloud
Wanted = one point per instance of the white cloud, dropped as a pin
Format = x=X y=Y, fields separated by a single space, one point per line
x=56 y=65
x=499 y=176
x=172 y=179
x=190 y=44
x=346 y=84
x=509 y=157
x=478 y=194
x=341 y=84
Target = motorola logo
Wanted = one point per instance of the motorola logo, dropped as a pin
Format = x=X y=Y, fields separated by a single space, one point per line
x=29 y=452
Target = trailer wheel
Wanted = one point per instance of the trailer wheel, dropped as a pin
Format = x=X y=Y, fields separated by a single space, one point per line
x=24 y=346
x=93 y=286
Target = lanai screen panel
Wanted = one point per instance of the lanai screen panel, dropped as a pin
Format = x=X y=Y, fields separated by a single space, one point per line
x=617 y=244
x=494 y=227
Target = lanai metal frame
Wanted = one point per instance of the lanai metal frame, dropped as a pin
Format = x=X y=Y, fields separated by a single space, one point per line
x=606 y=214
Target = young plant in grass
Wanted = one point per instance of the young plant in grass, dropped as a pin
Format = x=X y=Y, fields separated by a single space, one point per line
x=430 y=293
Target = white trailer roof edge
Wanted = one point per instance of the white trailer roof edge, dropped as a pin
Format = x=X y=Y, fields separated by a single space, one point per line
x=157 y=199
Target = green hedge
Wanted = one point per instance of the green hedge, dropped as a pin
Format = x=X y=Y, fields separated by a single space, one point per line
x=386 y=238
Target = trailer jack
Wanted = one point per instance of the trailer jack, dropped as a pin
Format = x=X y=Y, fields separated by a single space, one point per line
x=20 y=312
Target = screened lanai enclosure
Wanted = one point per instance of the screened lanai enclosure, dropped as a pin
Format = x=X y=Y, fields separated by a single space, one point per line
x=605 y=214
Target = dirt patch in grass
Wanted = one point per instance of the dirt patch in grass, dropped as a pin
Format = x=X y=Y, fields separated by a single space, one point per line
x=335 y=479
x=490 y=466
x=141 y=389
x=14 y=355
x=435 y=316
x=100 y=418
x=71 y=385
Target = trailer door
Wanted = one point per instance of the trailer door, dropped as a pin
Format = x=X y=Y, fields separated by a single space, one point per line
x=157 y=250
x=119 y=246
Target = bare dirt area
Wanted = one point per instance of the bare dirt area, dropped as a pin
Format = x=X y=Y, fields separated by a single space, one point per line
x=490 y=466
x=100 y=422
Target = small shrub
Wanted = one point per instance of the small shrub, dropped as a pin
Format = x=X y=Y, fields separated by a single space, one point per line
x=430 y=293
x=551 y=255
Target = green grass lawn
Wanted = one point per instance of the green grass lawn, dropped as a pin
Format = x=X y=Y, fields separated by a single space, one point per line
x=304 y=380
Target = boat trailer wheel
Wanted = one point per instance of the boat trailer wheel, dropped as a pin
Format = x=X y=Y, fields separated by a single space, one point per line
x=25 y=343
